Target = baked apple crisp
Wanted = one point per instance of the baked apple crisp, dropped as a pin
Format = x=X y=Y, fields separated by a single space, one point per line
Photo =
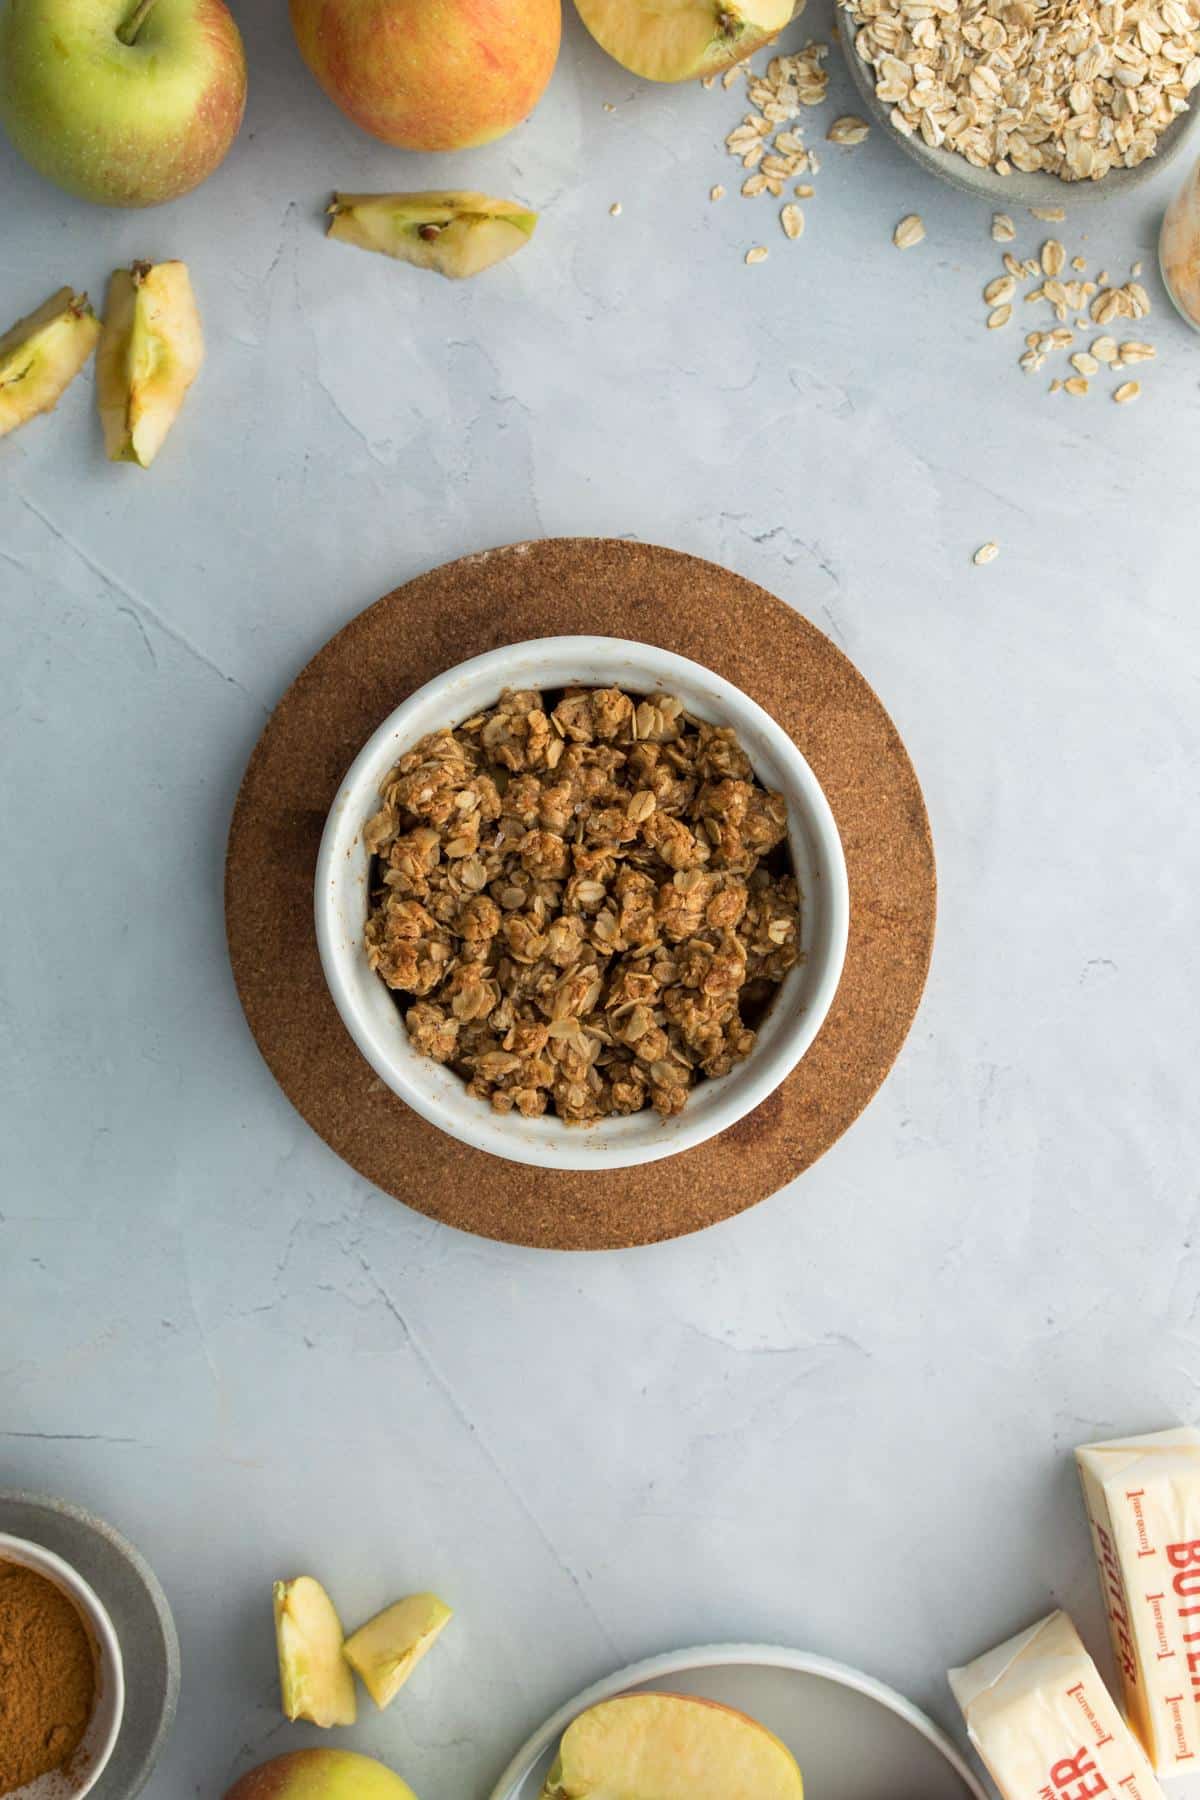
x=584 y=901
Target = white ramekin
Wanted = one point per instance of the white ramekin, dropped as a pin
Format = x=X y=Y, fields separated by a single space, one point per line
x=370 y=1011
x=85 y=1767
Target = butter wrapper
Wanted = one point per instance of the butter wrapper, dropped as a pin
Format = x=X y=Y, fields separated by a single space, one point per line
x=1044 y=1723
x=1143 y=1500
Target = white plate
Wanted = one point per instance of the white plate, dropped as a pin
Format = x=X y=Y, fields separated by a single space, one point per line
x=854 y=1738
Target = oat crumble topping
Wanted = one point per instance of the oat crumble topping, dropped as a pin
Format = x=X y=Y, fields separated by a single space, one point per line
x=584 y=901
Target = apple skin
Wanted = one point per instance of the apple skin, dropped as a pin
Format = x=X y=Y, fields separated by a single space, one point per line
x=431 y=74
x=321 y=1775
x=121 y=124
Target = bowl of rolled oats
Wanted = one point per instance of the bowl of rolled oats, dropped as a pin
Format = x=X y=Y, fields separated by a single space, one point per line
x=1030 y=101
x=581 y=903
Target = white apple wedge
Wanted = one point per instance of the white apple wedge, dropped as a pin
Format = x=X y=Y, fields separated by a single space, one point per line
x=458 y=234
x=151 y=349
x=314 y=1677
x=387 y=1649
x=41 y=356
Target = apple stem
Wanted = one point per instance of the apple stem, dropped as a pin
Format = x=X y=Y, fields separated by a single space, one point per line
x=137 y=18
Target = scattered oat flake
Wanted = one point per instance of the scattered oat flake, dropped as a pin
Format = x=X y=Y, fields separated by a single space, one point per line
x=615 y=209
x=1084 y=364
x=910 y=231
x=758 y=254
x=792 y=220
x=1077 y=385
x=716 y=193
x=1104 y=349
x=986 y=553
x=1003 y=229
x=1056 y=387
x=999 y=317
x=849 y=129
x=1079 y=263
x=1050 y=215
x=1134 y=352
x=1128 y=390
x=998 y=291
x=731 y=75
x=1136 y=270
x=804 y=190
x=609 y=107
x=1053 y=257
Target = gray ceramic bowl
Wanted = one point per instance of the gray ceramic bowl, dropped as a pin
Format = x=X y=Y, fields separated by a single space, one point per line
x=1007 y=191
x=135 y=1603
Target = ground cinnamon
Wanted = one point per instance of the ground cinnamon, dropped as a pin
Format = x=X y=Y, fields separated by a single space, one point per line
x=47 y=1677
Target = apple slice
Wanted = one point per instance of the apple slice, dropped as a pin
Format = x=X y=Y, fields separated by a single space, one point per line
x=150 y=353
x=670 y=1747
x=314 y=1676
x=458 y=234
x=387 y=1649
x=680 y=40
x=41 y=356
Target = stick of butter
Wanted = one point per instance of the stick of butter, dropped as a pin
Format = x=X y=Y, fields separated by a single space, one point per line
x=1044 y=1722
x=1143 y=1499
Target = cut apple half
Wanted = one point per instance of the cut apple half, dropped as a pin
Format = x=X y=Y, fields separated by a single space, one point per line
x=670 y=1747
x=315 y=1680
x=41 y=356
x=387 y=1649
x=151 y=349
x=457 y=234
x=682 y=40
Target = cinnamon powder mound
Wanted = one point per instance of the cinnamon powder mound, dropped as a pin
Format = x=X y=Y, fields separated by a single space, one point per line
x=47 y=1677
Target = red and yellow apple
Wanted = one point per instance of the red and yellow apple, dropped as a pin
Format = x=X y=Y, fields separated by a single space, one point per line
x=125 y=102
x=431 y=74
x=321 y=1775
x=670 y=1747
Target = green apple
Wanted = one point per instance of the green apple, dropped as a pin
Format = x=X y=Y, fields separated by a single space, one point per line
x=670 y=1747
x=151 y=349
x=431 y=74
x=41 y=356
x=314 y=1677
x=456 y=233
x=125 y=102
x=321 y=1775
x=387 y=1649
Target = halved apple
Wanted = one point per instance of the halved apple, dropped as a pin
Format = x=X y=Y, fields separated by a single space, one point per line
x=314 y=1677
x=457 y=234
x=387 y=1649
x=151 y=349
x=680 y=40
x=42 y=354
x=670 y=1747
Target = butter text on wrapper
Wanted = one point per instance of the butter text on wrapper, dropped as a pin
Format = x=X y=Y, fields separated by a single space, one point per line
x=1143 y=1500
x=1045 y=1724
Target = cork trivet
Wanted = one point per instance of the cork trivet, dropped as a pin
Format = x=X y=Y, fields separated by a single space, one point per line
x=617 y=589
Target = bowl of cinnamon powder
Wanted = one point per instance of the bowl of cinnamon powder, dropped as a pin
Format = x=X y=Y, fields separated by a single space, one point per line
x=62 y=1689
